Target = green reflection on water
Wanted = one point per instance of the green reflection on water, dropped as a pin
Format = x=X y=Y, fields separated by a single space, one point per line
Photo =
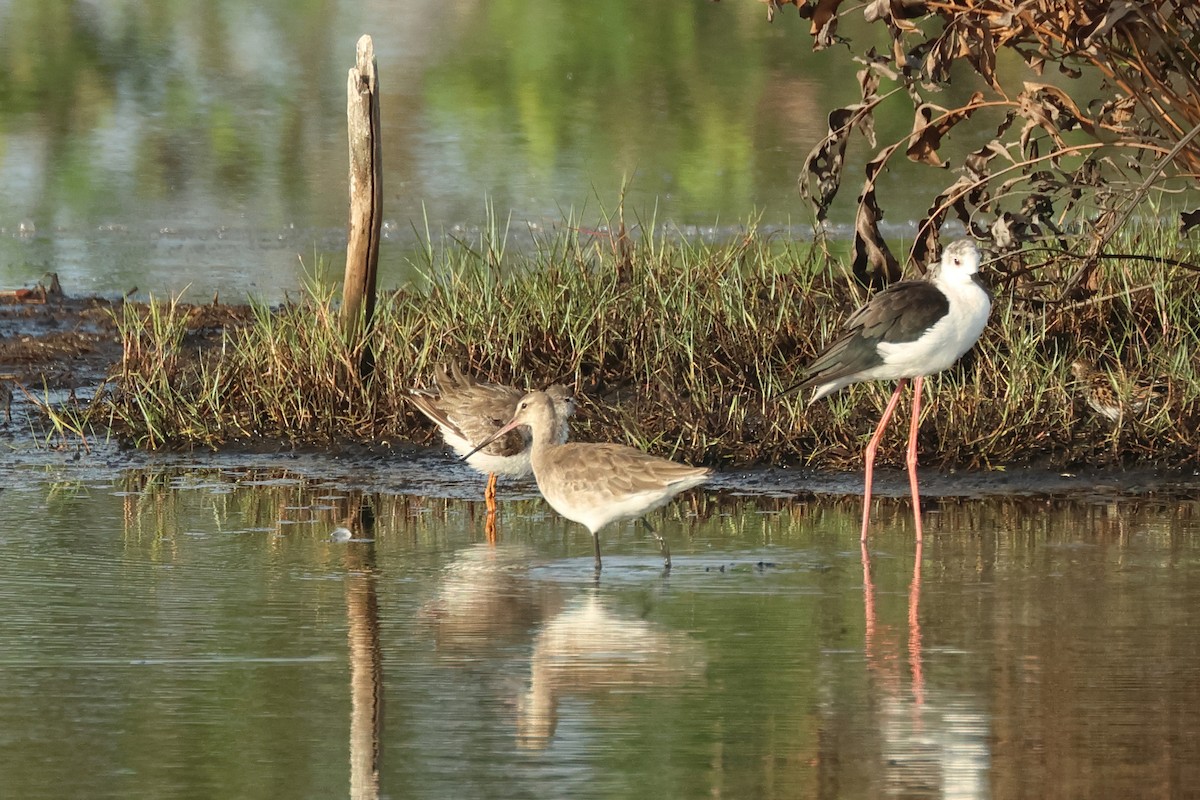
x=197 y=633
x=138 y=137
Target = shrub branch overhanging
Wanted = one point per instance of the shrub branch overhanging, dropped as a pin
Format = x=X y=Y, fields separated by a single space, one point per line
x=1073 y=162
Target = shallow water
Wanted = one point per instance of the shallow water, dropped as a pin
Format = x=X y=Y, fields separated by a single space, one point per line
x=195 y=631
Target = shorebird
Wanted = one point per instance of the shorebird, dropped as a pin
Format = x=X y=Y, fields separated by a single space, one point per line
x=909 y=330
x=1109 y=397
x=595 y=484
x=468 y=411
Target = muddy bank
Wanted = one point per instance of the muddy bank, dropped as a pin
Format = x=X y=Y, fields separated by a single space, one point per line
x=55 y=347
x=51 y=341
x=435 y=472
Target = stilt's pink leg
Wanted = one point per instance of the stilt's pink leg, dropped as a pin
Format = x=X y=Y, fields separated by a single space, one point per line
x=872 y=446
x=911 y=459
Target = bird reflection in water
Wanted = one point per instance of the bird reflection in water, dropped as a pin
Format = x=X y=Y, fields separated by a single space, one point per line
x=590 y=650
x=486 y=601
x=929 y=738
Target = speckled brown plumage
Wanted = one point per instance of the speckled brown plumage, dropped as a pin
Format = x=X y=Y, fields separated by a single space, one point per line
x=1108 y=396
x=471 y=410
x=468 y=411
x=596 y=484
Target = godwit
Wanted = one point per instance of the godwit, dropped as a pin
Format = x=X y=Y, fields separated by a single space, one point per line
x=468 y=411
x=909 y=330
x=595 y=484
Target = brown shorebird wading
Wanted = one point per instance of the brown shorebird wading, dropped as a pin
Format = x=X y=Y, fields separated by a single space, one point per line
x=468 y=411
x=909 y=330
x=595 y=484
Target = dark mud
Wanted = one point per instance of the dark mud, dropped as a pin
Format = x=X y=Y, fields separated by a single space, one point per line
x=55 y=348
x=57 y=342
x=437 y=473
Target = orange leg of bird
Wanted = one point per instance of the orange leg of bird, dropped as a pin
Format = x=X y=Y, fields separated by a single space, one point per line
x=872 y=446
x=911 y=458
x=489 y=494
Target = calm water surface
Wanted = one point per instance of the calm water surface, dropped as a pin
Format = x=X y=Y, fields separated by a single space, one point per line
x=197 y=632
x=202 y=147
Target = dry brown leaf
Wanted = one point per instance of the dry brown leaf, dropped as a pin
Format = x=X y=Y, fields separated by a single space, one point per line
x=824 y=23
x=1115 y=13
x=893 y=10
x=1064 y=112
x=873 y=263
x=928 y=130
x=879 y=64
x=775 y=5
x=1138 y=102
x=824 y=164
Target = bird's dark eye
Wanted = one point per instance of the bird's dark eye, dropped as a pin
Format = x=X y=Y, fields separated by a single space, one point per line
x=958 y=262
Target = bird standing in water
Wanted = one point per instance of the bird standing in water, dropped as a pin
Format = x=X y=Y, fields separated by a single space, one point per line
x=467 y=411
x=909 y=330
x=595 y=484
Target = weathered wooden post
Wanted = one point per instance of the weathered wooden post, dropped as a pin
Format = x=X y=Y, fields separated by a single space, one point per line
x=366 y=199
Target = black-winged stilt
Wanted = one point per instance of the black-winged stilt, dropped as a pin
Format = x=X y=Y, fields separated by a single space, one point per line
x=909 y=330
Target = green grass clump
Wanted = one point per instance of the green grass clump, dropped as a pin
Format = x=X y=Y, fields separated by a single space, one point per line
x=677 y=348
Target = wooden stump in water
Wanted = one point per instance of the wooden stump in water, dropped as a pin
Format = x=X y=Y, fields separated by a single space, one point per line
x=366 y=198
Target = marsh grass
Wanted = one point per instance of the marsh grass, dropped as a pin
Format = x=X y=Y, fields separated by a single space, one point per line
x=676 y=347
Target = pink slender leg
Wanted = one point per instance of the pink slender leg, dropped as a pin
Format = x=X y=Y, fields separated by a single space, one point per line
x=911 y=459
x=872 y=446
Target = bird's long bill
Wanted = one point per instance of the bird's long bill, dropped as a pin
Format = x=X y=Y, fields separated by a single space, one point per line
x=500 y=432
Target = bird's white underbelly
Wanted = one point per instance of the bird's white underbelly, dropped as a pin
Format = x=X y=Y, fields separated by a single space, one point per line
x=595 y=509
x=940 y=346
x=518 y=466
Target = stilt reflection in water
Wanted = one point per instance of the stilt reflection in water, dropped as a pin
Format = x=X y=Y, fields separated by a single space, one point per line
x=932 y=742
